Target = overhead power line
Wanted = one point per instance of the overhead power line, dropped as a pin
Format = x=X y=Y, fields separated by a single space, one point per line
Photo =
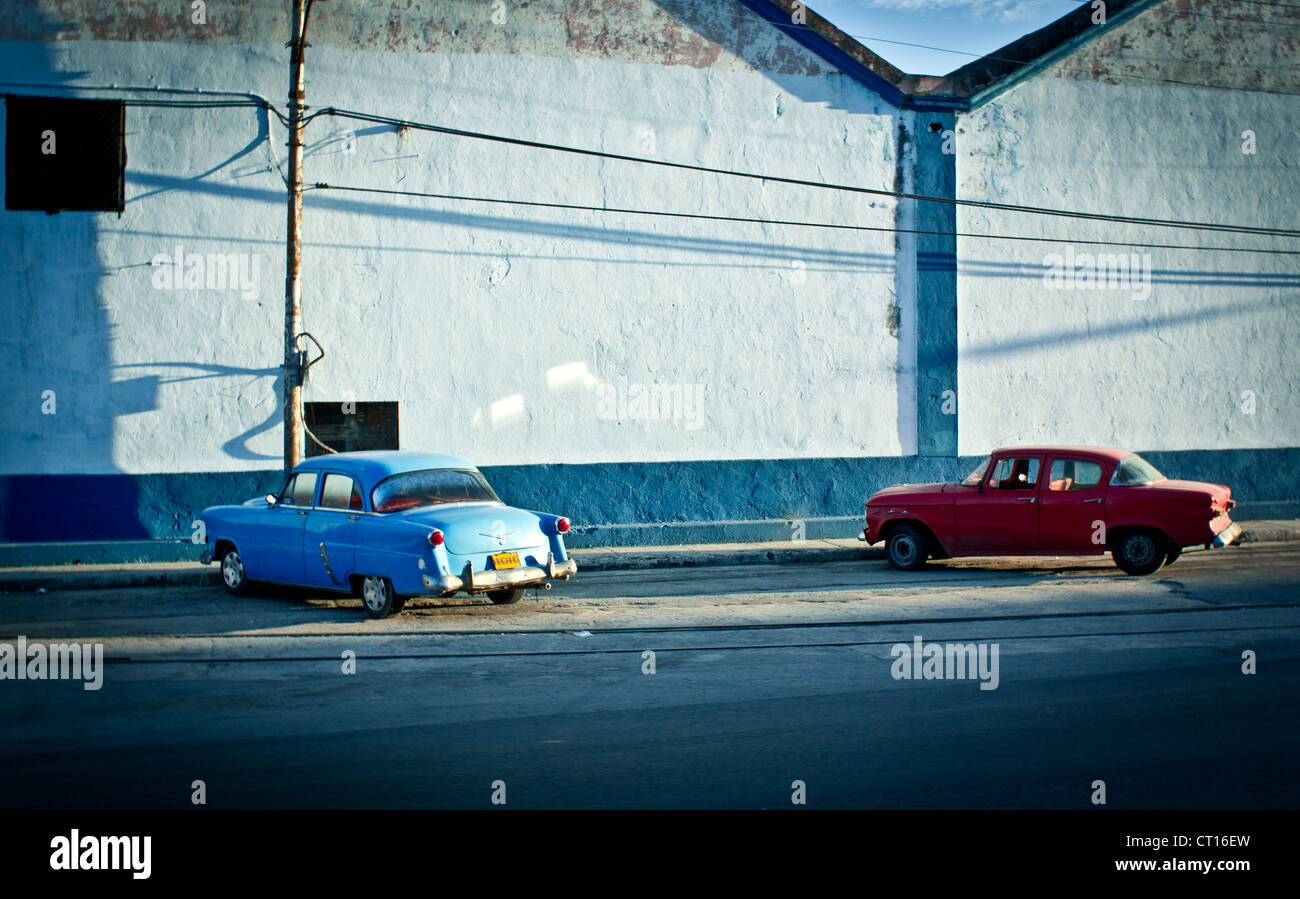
x=208 y=104
x=776 y=179
x=787 y=222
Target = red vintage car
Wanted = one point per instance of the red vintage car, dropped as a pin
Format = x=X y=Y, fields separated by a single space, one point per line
x=1053 y=500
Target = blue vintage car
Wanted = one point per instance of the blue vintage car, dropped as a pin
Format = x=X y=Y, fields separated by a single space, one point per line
x=386 y=526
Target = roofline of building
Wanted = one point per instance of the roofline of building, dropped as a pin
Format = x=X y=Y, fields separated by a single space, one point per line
x=965 y=89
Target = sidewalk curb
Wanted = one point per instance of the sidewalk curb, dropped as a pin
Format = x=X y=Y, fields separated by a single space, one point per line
x=763 y=554
x=32 y=580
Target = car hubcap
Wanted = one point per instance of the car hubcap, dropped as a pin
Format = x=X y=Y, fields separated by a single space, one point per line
x=904 y=550
x=372 y=591
x=231 y=570
x=1141 y=550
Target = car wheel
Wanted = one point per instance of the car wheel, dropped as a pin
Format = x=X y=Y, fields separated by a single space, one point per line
x=1174 y=553
x=232 y=573
x=907 y=548
x=506 y=597
x=1140 y=552
x=378 y=597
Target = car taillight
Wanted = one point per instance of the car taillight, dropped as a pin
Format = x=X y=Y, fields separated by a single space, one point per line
x=435 y=537
x=562 y=525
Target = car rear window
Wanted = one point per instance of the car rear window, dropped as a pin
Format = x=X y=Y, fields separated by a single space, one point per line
x=431 y=487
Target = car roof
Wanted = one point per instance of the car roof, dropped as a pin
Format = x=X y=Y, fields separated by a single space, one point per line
x=1103 y=451
x=374 y=465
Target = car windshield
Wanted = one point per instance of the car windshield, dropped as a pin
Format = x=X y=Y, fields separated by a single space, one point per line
x=973 y=479
x=429 y=488
x=1133 y=470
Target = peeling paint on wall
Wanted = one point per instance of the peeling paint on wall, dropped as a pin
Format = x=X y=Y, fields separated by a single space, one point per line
x=1216 y=43
x=705 y=34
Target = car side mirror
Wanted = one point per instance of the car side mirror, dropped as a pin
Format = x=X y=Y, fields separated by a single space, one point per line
x=270 y=499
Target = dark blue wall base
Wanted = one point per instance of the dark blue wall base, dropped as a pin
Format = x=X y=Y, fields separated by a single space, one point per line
x=611 y=504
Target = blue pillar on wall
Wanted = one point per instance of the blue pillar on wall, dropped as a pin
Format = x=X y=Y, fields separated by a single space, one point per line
x=936 y=285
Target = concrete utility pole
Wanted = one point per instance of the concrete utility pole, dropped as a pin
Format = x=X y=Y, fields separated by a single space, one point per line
x=293 y=255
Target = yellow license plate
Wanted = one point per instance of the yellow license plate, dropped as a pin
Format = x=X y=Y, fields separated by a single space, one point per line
x=505 y=560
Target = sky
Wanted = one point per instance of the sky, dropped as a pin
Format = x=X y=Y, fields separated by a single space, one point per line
x=977 y=27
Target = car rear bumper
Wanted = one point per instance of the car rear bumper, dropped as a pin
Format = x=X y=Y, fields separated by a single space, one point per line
x=1226 y=537
x=471 y=581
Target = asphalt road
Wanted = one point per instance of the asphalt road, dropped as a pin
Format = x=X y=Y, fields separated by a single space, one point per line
x=764 y=675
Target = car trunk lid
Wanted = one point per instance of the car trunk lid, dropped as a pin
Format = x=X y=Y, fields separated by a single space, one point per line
x=473 y=528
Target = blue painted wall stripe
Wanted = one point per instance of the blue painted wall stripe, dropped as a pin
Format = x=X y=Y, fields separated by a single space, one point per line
x=39 y=508
x=936 y=286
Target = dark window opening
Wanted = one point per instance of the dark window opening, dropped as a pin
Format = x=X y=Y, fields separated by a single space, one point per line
x=350 y=426
x=64 y=154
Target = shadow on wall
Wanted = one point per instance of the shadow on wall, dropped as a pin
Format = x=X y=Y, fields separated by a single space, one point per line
x=62 y=407
x=825 y=259
x=742 y=32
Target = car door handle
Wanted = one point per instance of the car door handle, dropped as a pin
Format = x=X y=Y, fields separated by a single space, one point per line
x=1094 y=500
x=302 y=511
x=353 y=517
x=1025 y=499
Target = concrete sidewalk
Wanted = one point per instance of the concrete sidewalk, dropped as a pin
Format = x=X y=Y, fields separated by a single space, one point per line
x=93 y=577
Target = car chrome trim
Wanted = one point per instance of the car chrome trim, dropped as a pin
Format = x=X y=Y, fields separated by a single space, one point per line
x=326 y=559
x=472 y=581
x=1227 y=536
x=500 y=538
x=442 y=584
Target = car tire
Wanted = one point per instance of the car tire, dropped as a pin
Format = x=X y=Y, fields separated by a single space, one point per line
x=233 y=575
x=1172 y=556
x=378 y=598
x=907 y=547
x=507 y=597
x=1140 y=552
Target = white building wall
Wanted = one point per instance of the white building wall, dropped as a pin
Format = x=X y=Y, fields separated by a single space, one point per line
x=492 y=326
x=1207 y=360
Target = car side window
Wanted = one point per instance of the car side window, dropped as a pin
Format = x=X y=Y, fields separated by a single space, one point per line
x=340 y=492
x=1014 y=473
x=301 y=490
x=1073 y=474
x=286 y=495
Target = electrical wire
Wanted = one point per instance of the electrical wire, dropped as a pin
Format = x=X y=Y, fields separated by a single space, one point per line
x=776 y=179
x=788 y=222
